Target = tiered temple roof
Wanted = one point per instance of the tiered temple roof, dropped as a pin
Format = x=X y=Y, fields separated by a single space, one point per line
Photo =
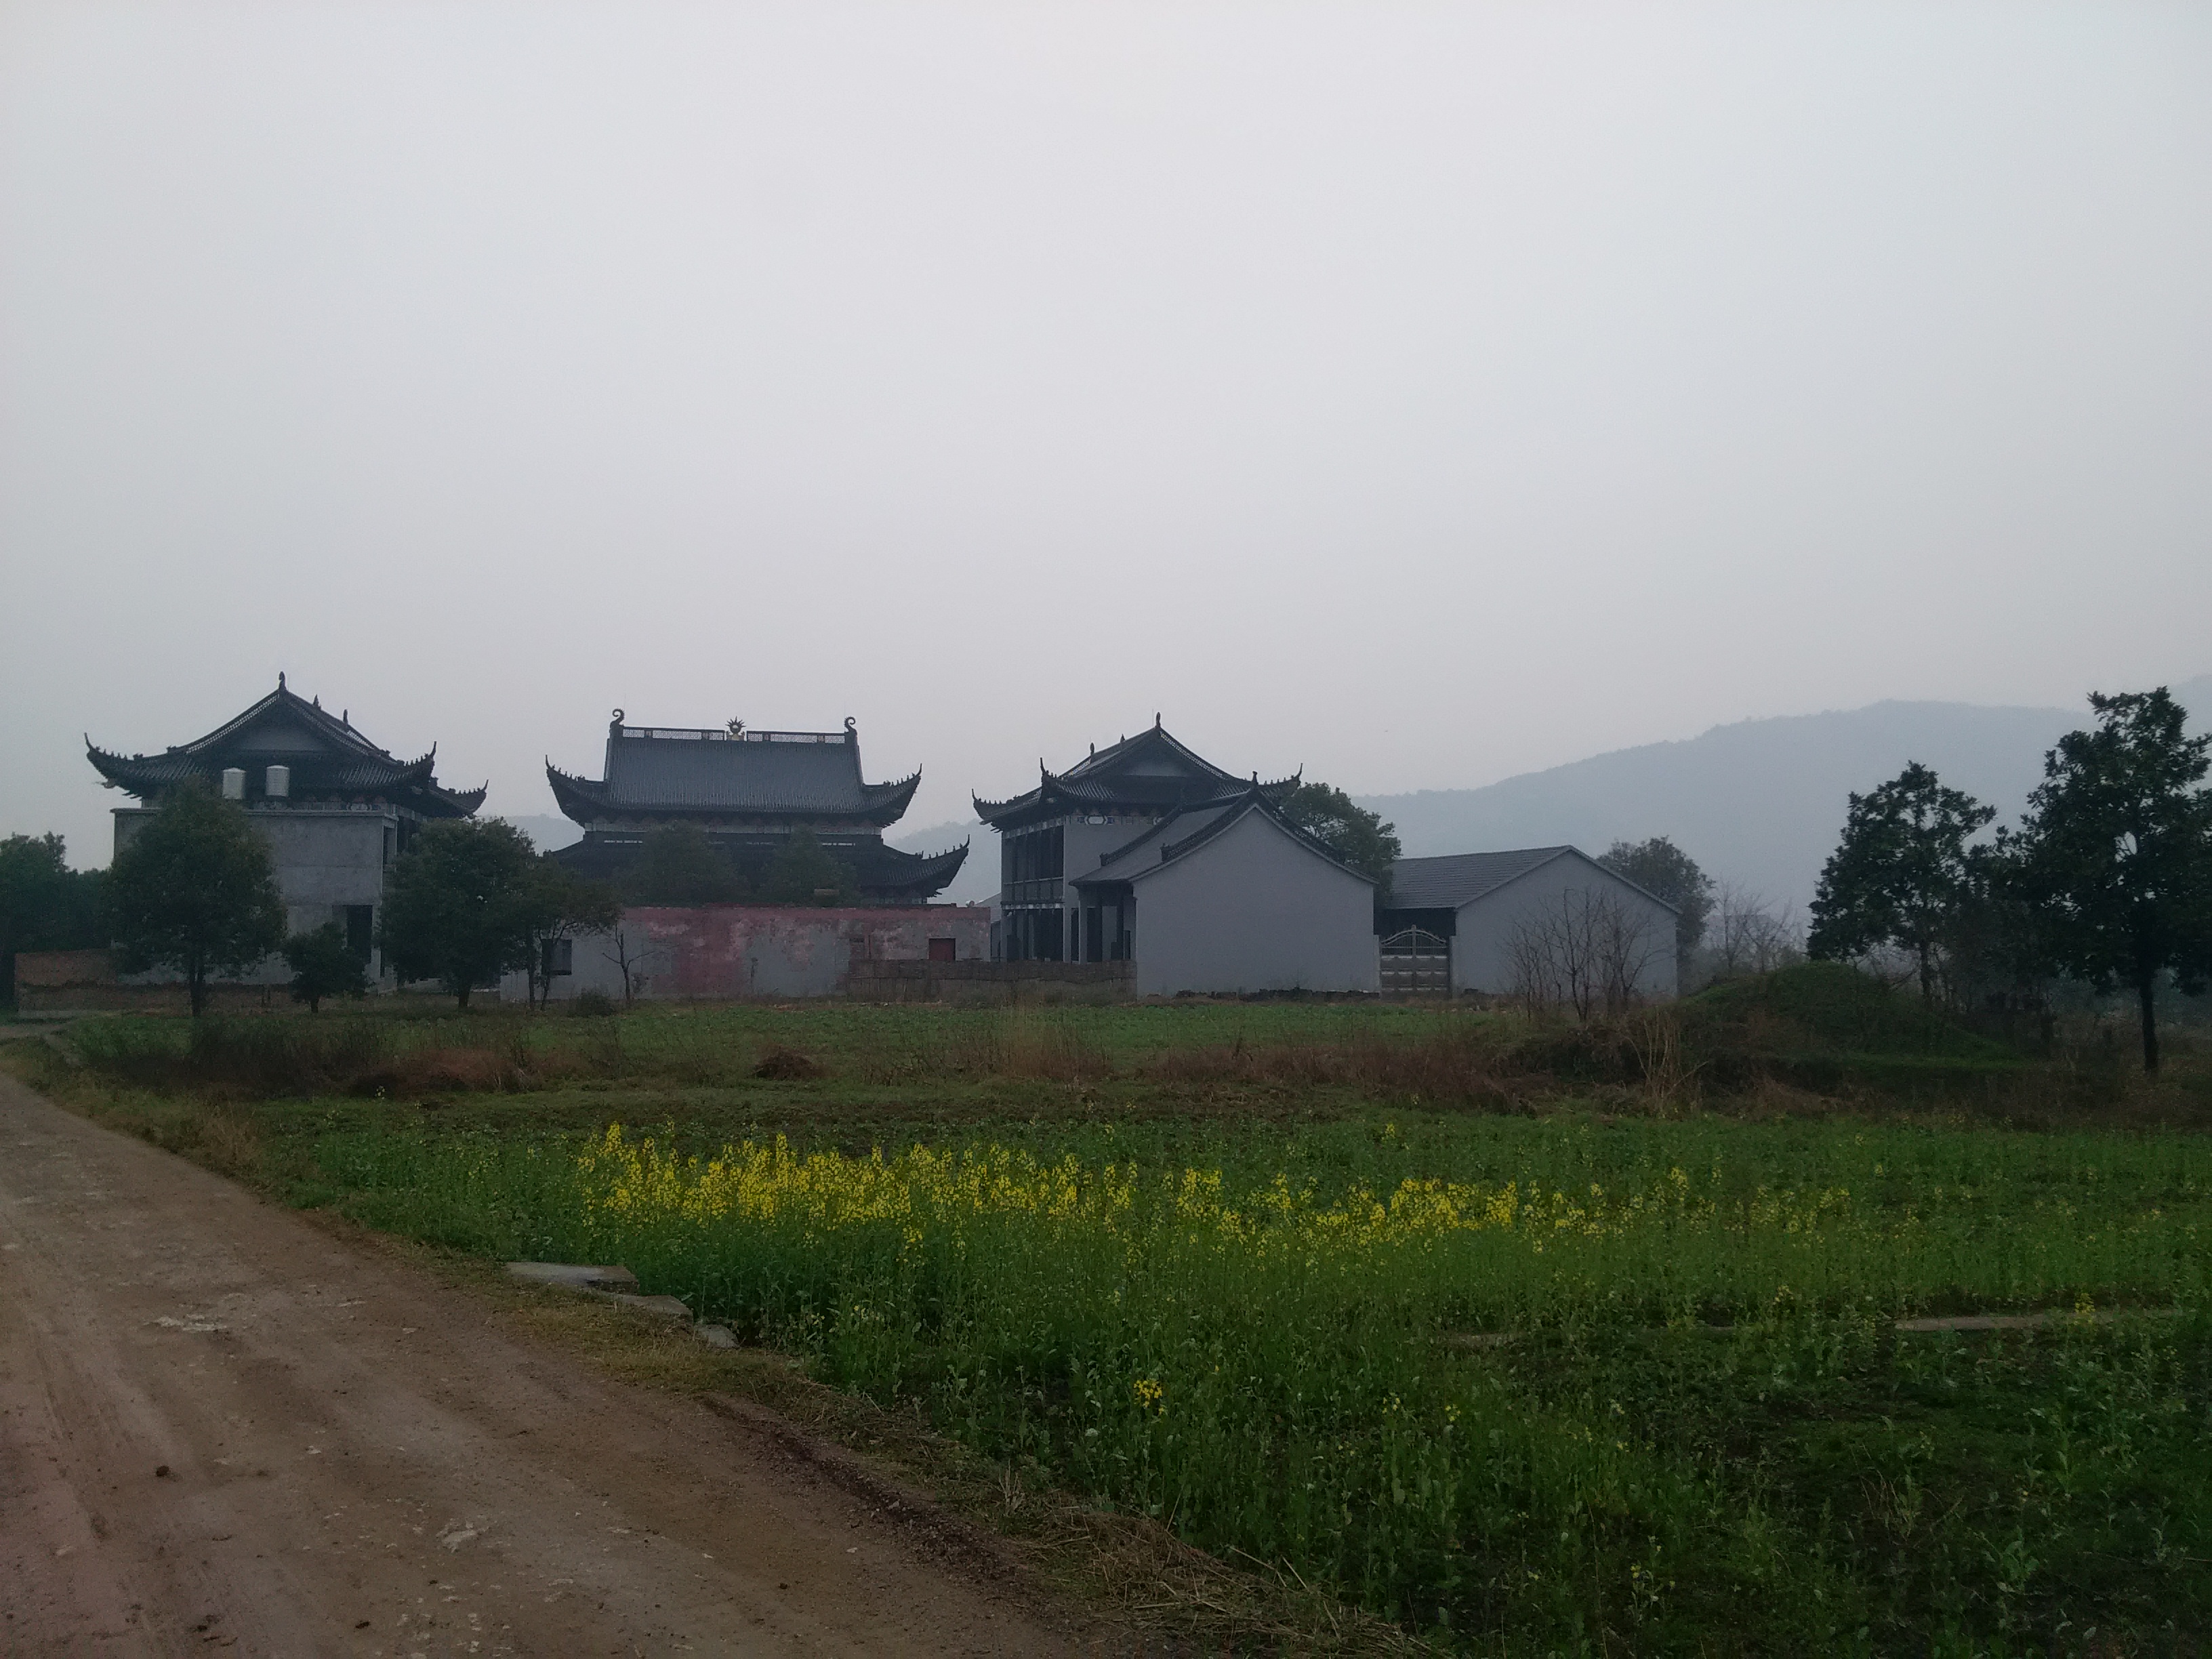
x=327 y=758
x=747 y=789
x=654 y=773
x=1150 y=774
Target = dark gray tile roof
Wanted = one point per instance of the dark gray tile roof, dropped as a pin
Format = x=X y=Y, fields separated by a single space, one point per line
x=701 y=772
x=327 y=756
x=1186 y=831
x=1178 y=830
x=1457 y=878
x=664 y=770
x=1150 y=772
x=882 y=873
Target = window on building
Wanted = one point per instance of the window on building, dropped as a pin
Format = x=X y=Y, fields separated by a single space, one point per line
x=360 y=928
x=944 y=949
x=560 y=957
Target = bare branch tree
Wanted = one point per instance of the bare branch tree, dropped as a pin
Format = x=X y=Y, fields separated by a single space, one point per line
x=1749 y=935
x=637 y=961
x=1623 y=945
x=1585 y=950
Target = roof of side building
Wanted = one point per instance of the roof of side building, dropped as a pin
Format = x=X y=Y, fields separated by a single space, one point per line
x=1182 y=833
x=1446 y=882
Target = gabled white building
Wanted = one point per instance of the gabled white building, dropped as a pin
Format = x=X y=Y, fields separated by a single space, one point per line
x=1144 y=852
x=1490 y=921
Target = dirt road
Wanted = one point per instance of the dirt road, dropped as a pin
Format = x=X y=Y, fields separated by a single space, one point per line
x=221 y=1428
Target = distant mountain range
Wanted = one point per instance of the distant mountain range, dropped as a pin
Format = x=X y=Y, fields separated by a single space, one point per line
x=1758 y=803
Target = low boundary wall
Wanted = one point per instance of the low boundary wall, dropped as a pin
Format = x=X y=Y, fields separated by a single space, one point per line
x=741 y=952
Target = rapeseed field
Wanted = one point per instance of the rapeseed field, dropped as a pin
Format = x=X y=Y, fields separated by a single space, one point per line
x=1548 y=1385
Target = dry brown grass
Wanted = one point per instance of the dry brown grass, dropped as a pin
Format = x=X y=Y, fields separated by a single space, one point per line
x=1457 y=1067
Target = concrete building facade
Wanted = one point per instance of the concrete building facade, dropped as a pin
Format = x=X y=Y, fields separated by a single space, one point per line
x=1233 y=899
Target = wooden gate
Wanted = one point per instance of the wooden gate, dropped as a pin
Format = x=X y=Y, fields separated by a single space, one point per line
x=1415 y=963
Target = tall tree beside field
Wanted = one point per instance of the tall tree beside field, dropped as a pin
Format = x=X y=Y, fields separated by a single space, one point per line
x=1355 y=834
x=1902 y=874
x=1665 y=871
x=195 y=890
x=458 y=907
x=2115 y=854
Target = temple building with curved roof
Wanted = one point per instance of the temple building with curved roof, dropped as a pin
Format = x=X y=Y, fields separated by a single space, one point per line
x=749 y=791
x=335 y=808
x=1234 y=897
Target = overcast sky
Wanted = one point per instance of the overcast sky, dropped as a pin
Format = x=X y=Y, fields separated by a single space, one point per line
x=1418 y=394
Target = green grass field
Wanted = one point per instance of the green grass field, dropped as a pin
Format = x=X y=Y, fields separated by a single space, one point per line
x=1525 y=1339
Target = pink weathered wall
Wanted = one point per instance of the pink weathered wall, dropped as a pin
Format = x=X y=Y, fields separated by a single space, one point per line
x=728 y=950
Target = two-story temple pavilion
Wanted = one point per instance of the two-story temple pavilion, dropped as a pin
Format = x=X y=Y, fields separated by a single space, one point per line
x=335 y=809
x=1074 y=822
x=750 y=791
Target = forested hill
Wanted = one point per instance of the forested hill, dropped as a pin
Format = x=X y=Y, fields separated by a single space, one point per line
x=1758 y=802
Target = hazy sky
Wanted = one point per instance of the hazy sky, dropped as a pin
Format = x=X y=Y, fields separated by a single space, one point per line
x=1421 y=393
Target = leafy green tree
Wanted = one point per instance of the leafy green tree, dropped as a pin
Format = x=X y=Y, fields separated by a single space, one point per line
x=195 y=889
x=1355 y=834
x=803 y=873
x=2115 y=854
x=559 y=905
x=44 y=904
x=1665 y=871
x=1902 y=874
x=679 y=864
x=457 y=906
x=325 y=965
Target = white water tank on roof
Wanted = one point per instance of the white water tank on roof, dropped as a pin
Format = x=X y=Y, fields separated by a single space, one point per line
x=279 y=782
x=234 y=783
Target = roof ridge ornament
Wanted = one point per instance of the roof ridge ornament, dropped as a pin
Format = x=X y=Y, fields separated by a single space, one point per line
x=280 y=679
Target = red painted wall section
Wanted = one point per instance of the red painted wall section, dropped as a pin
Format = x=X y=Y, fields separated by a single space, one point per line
x=719 y=950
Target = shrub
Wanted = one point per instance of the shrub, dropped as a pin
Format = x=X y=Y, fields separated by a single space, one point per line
x=782 y=1065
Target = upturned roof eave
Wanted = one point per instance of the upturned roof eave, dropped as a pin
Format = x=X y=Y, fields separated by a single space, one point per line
x=887 y=802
